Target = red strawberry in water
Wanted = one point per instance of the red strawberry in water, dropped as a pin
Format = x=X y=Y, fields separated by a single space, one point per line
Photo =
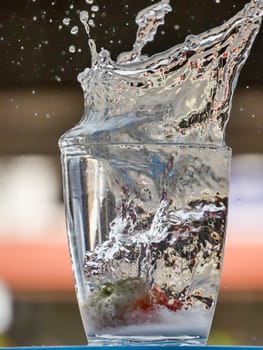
x=158 y=297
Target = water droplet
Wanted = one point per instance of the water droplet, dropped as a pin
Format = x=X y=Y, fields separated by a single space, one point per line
x=217 y=1
x=48 y=115
x=71 y=6
x=95 y=8
x=57 y=78
x=253 y=115
x=176 y=27
x=84 y=16
x=33 y=92
x=35 y=114
x=66 y=21
x=72 y=48
x=192 y=42
x=91 y=23
x=34 y=18
x=90 y=2
x=74 y=30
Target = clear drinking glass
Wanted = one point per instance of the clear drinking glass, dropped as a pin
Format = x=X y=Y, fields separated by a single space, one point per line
x=146 y=229
x=146 y=175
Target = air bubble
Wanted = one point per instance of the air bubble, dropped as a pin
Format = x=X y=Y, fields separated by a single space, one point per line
x=192 y=42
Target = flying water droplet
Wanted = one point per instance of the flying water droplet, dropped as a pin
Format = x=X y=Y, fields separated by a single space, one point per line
x=84 y=18
x=91 y=23
x=72 y=48
x=95 y=8
x=74 y=30
x=66 y=21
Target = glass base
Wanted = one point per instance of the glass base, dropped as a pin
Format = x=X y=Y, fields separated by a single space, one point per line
x=106 y=340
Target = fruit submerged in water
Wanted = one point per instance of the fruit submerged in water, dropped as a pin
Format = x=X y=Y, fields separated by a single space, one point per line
x=117 y=303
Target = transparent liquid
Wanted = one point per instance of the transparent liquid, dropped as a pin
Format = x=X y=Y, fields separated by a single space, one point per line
x=146 y=229
x=146 y=181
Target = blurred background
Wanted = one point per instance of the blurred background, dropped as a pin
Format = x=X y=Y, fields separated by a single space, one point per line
x=40 y=98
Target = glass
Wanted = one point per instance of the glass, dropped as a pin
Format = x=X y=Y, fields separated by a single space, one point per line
x=146 y=175
x=146 y=229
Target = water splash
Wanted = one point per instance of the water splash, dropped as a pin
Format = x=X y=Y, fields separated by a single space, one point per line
x=148 y=21
x=181 y=95
x=154 y=215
